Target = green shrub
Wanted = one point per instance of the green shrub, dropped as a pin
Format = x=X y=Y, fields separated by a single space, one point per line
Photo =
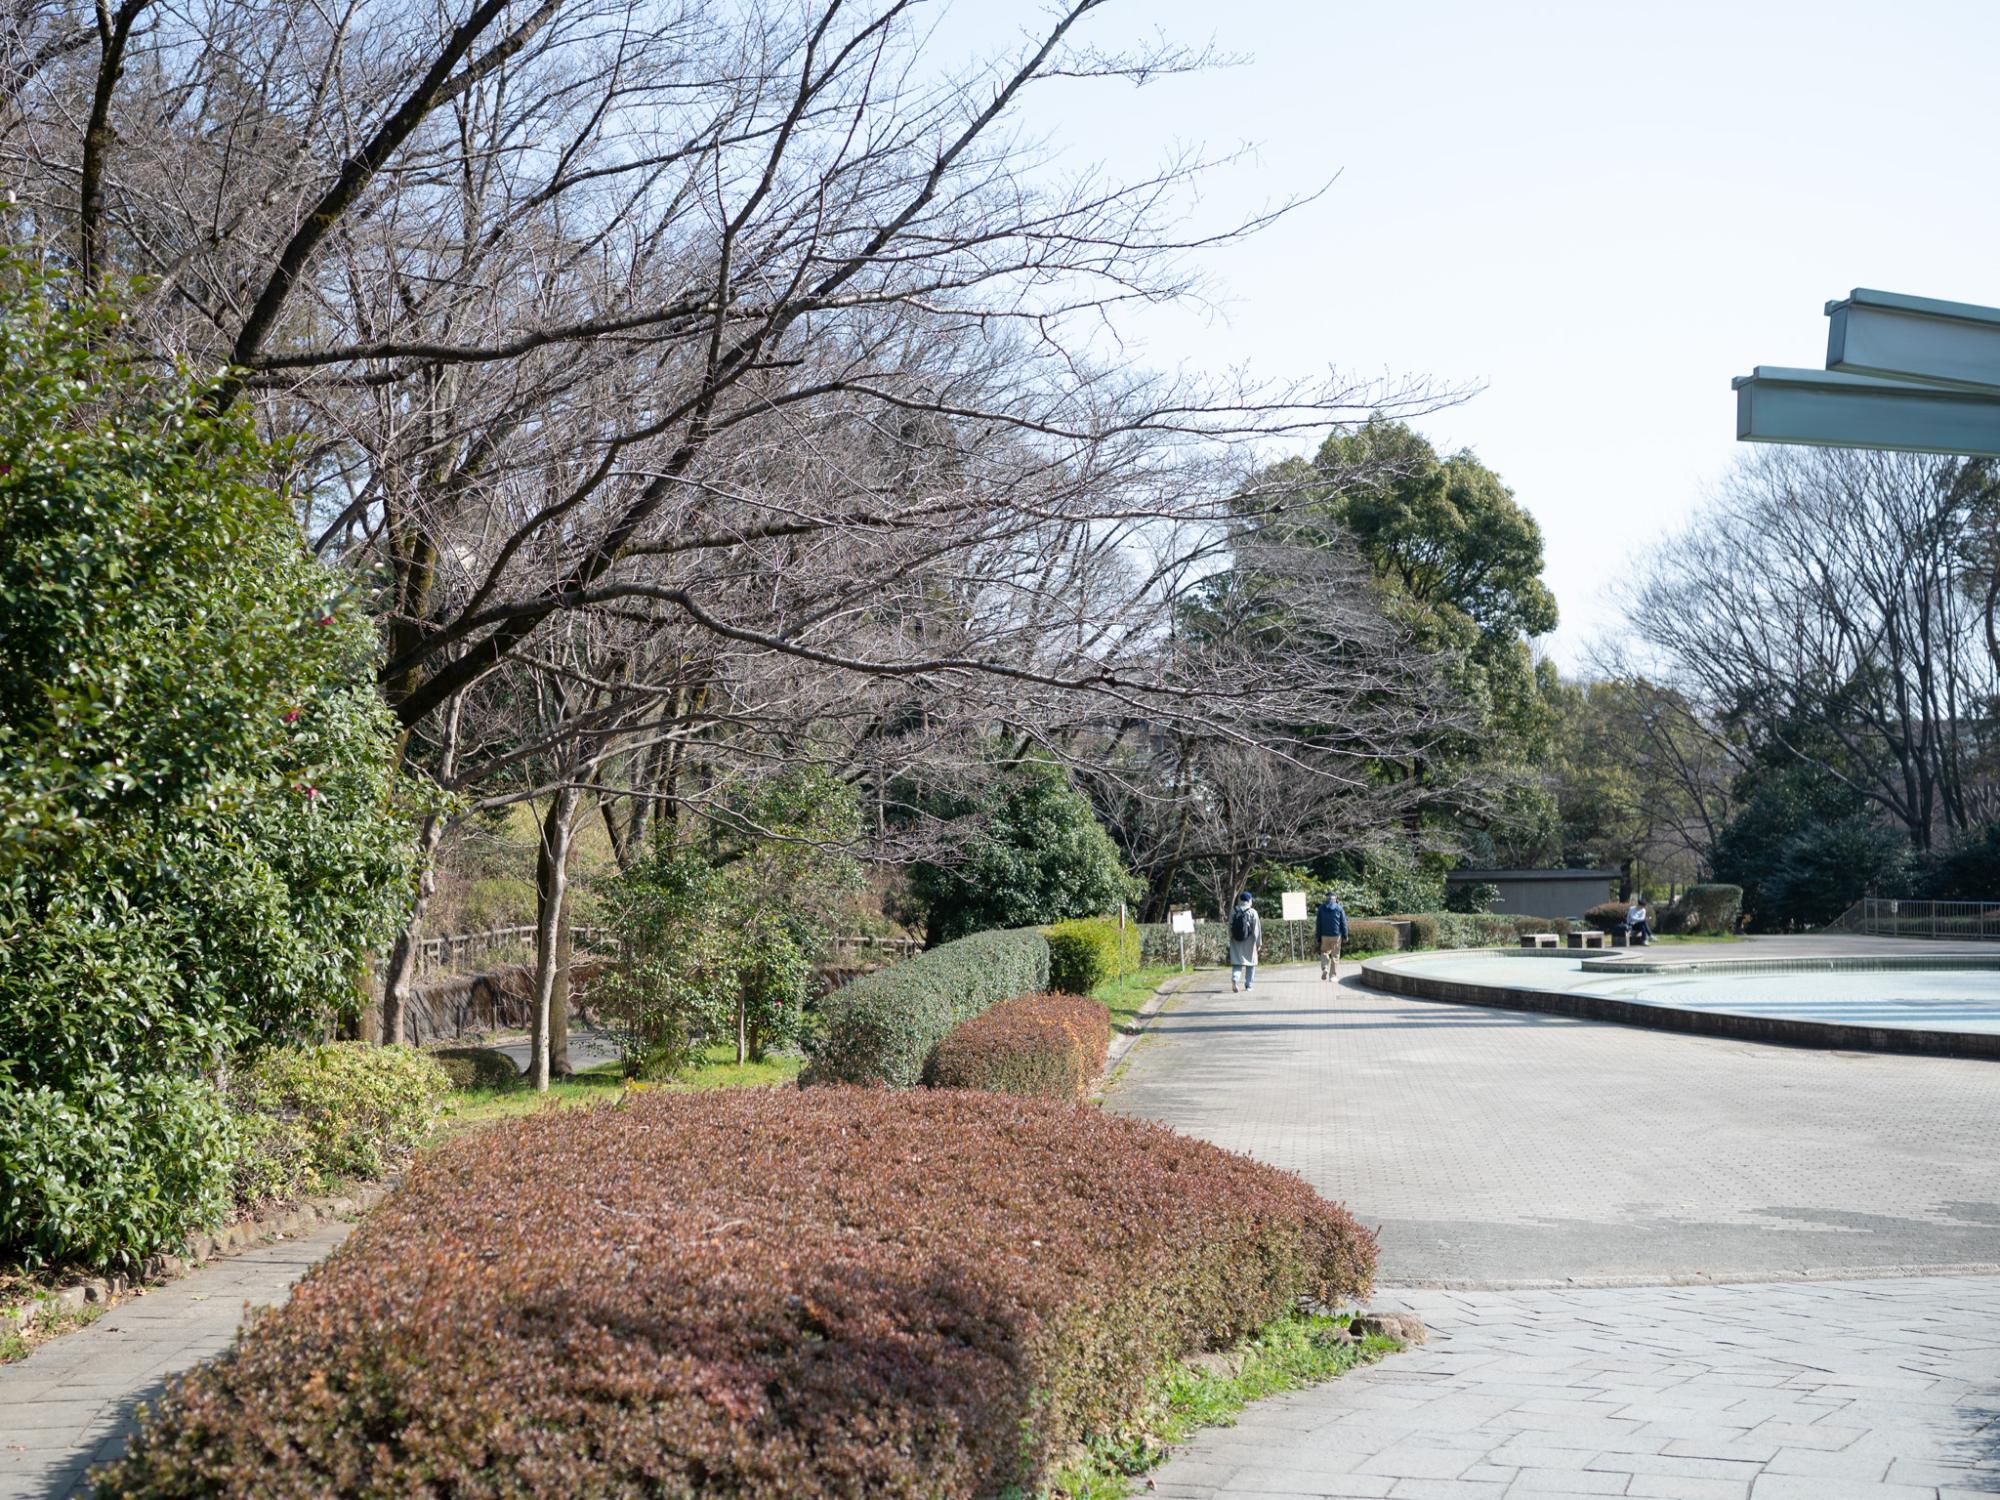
x=1424 y=930
x=881 y=1028
x=1606 y=916
x=308 y=1117
x=1048 y=1046
x=475 y=1067
x=802 y=1293
x=1368 y=936
x=111 y=1167
x=203 y=829
x=1084 y=953
x=1714 y=908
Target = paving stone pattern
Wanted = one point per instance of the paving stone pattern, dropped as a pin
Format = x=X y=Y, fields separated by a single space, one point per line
x=70 y=1404
x=1498 y=1146
x=1870 y=1390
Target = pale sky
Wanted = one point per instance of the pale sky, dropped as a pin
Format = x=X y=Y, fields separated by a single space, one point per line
x=1600 y=209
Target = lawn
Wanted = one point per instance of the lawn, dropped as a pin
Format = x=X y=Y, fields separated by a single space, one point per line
x=1126 y=997
x=718 y=1070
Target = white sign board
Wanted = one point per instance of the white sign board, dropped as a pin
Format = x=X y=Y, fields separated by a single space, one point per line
x=1292 y=906
x=1181 y=921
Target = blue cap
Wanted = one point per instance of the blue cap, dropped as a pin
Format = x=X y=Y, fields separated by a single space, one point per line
x=1244 y=897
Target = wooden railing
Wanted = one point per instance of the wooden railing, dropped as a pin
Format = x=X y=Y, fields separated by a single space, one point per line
x=468 y=952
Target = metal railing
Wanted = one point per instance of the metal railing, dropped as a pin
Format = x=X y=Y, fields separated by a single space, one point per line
x=1958 y=921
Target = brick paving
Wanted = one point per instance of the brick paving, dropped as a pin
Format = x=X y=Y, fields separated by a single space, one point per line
x=70 y=1404
x=1884 y=1389
x=1498 y=1149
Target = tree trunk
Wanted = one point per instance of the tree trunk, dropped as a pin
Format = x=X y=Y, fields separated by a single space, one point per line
x=399 y=974
x=551 y=893
x=559 y=1063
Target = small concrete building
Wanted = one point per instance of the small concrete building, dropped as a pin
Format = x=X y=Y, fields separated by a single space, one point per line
x=1542 y=893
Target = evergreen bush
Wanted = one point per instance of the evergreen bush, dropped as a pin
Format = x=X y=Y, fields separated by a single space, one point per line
x=1084 y=953
x=308 y=1117
x=881 y=1028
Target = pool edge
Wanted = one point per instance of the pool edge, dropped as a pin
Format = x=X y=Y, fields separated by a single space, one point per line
x=1384 y=975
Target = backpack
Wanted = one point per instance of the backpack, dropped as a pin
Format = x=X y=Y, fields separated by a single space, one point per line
x=1239 y=925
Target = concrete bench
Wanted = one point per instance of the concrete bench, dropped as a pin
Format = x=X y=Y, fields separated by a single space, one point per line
x=1586 y=940
x=1540 y=940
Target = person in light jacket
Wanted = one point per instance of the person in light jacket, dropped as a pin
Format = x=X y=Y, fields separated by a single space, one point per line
x=1246 y=936
x=1330 y=927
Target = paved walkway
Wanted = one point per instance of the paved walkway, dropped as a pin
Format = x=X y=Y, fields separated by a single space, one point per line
x=1888 y=1390
x=1498 y=1148
x=69 y=1405
x=1507 y=1146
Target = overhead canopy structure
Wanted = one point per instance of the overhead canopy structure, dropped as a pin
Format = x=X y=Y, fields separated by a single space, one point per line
x=1909 y=373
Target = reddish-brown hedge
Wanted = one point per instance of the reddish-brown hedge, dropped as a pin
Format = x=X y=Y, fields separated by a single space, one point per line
x=1048 y=1046
x=827 y=1292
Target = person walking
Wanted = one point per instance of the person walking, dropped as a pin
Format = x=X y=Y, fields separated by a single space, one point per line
x=1330 y=927
x=1246 y=936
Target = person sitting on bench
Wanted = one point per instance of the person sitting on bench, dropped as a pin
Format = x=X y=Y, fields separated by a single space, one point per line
x=1639 y=922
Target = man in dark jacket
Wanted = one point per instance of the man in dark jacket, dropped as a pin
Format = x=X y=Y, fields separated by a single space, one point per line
x=1330 y=927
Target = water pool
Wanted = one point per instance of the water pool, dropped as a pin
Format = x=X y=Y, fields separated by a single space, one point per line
x=1931 y=1003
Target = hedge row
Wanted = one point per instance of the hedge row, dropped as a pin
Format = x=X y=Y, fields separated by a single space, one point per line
x=1087 y=951
x=757 y=1292
x=1283 y=941
x=1046 y=1046
x=881 y=1028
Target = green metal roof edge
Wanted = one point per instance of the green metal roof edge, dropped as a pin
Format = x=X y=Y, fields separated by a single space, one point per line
x=1841 y=380
x=1928 y=307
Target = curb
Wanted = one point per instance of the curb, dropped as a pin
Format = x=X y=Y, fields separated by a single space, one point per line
x=219 y=1244
x=1386 y=976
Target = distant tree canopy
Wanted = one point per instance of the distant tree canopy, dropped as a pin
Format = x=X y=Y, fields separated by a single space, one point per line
x=1458 y=565
x=1038 y=855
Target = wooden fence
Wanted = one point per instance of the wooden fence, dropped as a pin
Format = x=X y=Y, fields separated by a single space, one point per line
x=470 y=952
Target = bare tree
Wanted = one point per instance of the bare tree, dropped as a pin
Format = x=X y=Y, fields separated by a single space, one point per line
x=762 y=334
x=1829 y=605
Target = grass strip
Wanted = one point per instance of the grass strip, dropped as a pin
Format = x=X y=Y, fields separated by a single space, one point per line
x=717 y=1070
x=1297 y=1350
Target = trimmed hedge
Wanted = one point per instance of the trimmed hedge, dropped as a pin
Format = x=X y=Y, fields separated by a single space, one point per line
x=1425 y=930
x=1047 y=1046
x=306 y=1117
x=1714 y=908
x=754 y=1292
x=1606 y=916
x=1369 y=936
x=881 y=1028
x=1085 y=952
x=1486 y=929
x=476 y=1067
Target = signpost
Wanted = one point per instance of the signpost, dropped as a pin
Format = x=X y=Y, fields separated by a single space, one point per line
x=1181 y=921
x=1292 y=907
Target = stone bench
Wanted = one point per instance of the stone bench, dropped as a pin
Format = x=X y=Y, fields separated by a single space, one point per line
x=1540 y=940
x=1586 y=940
